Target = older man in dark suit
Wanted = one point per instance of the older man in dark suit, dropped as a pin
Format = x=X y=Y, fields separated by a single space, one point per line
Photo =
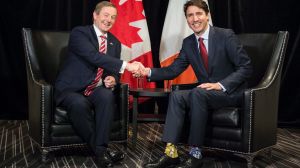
x=86 y=81
x=222 y=68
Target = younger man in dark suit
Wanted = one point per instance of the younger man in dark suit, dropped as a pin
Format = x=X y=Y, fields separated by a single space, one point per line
x=222 y=68
x=87 y=79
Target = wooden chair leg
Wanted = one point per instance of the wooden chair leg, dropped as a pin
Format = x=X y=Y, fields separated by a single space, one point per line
x=45 y=155
x=269 y=153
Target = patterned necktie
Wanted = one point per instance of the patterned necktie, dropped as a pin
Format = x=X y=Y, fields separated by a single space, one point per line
x=203 y=53
x=89 y=89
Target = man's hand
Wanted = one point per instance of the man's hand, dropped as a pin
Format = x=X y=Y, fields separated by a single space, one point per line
x=210 y=86
x=145 y=71
x=135 y=67
x=142 y=72
x=109 y=82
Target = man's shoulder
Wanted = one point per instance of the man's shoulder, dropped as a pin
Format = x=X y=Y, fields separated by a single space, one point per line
x=189 y=38
x=83 y=31
x=82 y=28
x=221 y=31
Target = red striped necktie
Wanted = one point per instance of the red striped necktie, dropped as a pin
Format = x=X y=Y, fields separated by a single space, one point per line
x=89 y=89
x=203 y=53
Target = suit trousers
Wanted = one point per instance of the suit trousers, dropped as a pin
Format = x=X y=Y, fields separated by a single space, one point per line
x=193 y=106
x=91 y=116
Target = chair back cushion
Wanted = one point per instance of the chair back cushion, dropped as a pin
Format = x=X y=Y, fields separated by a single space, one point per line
x=259 y=47
x=50 y=51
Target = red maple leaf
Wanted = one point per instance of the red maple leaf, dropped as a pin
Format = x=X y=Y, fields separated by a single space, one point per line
x=128 y=12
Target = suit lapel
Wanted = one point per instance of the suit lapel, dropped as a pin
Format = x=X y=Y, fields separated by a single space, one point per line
x=94 y=38
x=197 y=57
x=110 y=41
x=110 y=44
x=211 y=51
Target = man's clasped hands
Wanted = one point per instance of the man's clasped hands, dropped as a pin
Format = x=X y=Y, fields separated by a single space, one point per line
x=138 y=69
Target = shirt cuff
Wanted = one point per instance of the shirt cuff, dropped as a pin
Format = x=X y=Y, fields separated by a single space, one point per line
x=149 y=74
x=223 y=88
x=123 y=67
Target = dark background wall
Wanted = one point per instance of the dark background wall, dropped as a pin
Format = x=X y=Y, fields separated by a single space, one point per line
x=240 y=15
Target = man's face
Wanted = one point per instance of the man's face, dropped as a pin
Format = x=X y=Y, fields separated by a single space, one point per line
x=105 y=19
x=197 y=19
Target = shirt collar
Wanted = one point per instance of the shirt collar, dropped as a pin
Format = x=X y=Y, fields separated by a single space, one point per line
x=205 y=34
x=98 y=32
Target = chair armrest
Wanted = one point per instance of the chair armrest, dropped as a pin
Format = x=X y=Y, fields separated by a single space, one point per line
x=261 y=110
x=40 y=107
x=184 y=86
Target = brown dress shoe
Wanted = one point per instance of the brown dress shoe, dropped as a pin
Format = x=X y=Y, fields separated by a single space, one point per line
x=163 y=162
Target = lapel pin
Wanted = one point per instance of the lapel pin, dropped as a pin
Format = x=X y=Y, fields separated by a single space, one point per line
x=111 y=43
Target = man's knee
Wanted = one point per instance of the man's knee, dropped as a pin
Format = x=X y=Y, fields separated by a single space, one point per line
x=177 y=96
x=198 y=93
x=75 y=100
x=104 y=96
x=80 y=104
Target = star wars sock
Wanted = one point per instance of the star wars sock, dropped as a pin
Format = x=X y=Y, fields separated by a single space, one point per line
x=196 y=152
x=171 y=150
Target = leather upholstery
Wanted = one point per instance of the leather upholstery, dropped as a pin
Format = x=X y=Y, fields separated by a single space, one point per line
x=252 y=127
x=49 y=125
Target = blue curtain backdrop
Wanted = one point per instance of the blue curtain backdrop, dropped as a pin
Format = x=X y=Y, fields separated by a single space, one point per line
x=243 y=16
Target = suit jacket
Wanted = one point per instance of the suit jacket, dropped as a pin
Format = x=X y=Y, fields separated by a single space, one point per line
x=228 y=62
x=83 y=60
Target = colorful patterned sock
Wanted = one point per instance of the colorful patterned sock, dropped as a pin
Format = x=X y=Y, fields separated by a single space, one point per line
x=171 y=150
x=196 y=152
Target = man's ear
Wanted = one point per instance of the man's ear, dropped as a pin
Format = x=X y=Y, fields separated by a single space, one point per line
x=95 y=15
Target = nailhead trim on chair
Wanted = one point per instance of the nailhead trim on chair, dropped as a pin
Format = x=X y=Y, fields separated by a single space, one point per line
x=60 y=146
x=250 y=123
x=234 y=151
x=43 y=115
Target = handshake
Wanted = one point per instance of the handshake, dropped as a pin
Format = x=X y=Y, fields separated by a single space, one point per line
x=137 y=69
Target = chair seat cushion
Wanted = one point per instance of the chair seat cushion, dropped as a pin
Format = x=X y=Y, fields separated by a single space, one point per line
x=62 y=127
x=61 y=116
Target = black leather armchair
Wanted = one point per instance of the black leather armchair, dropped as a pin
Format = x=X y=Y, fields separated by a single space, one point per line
x=252 y=128
x=49 y=125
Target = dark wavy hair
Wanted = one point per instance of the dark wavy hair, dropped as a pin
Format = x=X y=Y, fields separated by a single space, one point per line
x=199 y=3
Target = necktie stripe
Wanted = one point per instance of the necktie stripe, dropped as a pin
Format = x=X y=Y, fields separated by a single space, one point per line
x=89 y=89
x=203 y=53
x=102 y=44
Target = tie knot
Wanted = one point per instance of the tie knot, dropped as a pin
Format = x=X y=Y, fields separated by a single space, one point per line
x=200 y=39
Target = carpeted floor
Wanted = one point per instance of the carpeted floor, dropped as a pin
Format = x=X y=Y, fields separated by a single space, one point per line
x=17 y=150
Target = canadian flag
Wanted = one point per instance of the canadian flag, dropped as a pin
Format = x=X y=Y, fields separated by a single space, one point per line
x=171 y=40
x=132 y=31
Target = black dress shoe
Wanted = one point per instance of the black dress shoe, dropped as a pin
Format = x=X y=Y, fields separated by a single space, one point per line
x=103 y=161
x=163 y=162
x=191 y=162
x=115 y=155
